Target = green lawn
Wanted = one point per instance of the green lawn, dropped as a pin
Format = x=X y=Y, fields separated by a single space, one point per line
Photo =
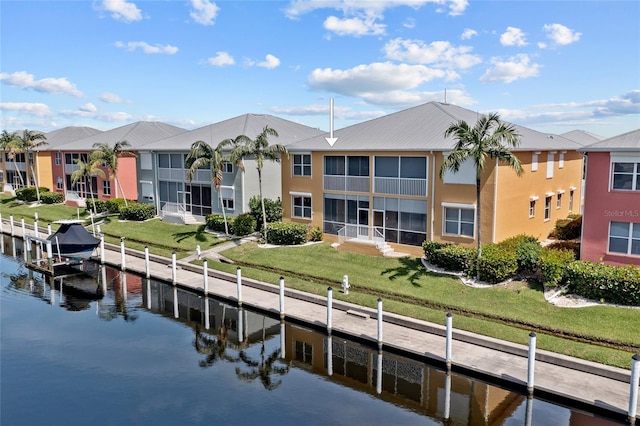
x=408 y=289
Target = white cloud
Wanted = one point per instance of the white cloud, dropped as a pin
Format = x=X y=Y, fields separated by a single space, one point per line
x=82 y=112
x=340 y=112
x=437 y=53
x=297 y=8
x=404 y=99
x=515 y=68
x=52 y=86
x=354 y=26
x=513 y=37
x=366 y=80
x=31 y=108
x=122 y=10
x=88 y=107
x=221 y=59
x=111 y=98
x=204 y=12
x=561 y=35
x=147 y=48
x=409 y=23
x=468 y=33
x=269 y=62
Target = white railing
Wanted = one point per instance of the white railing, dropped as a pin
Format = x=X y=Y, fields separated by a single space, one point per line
x=74 y=196
x=400 y=186
x=360 y=232
x=346 y=183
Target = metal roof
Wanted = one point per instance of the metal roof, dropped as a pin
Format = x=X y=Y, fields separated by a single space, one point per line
x=582 y=137
x=420 y=128
x=68 y=134
x=629 y=141
x=137 y=134
x=249 y=125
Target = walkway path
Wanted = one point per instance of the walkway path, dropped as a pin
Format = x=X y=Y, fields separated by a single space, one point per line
x=568 y=380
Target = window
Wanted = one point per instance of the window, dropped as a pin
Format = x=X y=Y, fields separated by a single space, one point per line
x=227 y=167
x=357 y=166
x=624 y=238
x=571 y=200
x=550 y=156
x=146 y=161
x=466 y=174
x=106 y=187
x=302 y=206
x=626 y=176
x=1 y=176
x=302 y=164
x=58 y=158
x=59 y=183
x=561 y=160
x=334 y=166
x=228 y=197
x=559 y=200
x=534 y=161
x=547 y=207
x=171 y=161
x=532 y=208
x=459 y=221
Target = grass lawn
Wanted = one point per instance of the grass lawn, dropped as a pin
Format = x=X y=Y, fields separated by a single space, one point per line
x=408 y=289
x=162 y=238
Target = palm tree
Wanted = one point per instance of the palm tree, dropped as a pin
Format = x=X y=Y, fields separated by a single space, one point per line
x=86 y=170
x=260 y=150
x=28 y=142
x=489 y=138
x=202 y=155
x=109 y=156
x=9 y=143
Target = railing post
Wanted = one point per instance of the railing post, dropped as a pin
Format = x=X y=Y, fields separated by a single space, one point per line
x=379 y=323
x=123 y=265
x=173 y=267
x=24 y=232
x=205 y=274
x=12 y=225
x=147 y=269
x=531 y=363
x=102 y=249
x=281 y=297
x=329 y=309
x=449 y=340
x=48 y=230
x=635 y=382
x=36 y=232
x=239 y=284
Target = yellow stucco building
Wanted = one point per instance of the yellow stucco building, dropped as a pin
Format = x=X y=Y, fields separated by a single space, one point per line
x=379 y=184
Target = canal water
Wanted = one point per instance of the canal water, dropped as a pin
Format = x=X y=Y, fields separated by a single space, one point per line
x=110 y=348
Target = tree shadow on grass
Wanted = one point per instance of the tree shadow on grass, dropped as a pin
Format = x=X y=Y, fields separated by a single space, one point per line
x=411 y=269
x=199 y=234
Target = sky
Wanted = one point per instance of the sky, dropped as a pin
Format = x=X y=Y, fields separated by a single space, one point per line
x=553 y=66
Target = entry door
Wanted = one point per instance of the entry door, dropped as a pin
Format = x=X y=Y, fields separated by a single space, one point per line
x=378 y=225
x=363 y=223
x=184 y=199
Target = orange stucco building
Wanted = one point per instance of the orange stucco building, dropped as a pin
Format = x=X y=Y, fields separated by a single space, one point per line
x=380 y=184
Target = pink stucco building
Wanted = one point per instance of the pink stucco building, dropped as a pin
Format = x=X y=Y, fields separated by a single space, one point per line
x=611 y=219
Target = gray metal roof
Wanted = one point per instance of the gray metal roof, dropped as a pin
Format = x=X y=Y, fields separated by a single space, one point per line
x=68 y=134
x=582 y=137
x=137 y=134
x=249 y=125
x=420 y=128
x=629 y=141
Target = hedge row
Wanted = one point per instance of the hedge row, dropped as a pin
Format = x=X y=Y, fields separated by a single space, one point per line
x=240 y=225
x=30 y=194
x=113 y=205
x=51 y=197
x=287 y=233
x=612 y=284
x=137 y=212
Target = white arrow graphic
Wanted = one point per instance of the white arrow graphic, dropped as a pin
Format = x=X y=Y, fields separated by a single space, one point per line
x=331 y=140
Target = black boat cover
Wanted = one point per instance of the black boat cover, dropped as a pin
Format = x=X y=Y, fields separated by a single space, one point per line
x=73 y=236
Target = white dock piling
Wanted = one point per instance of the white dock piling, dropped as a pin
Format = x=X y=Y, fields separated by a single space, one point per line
x=329 y=309
x=379 y=323
x=532 y=362
x=281 y=297
x=239 y=284
x=11 y=224
x=146 y=262
x=449 y=339
x=173 y=267
x=635 y=382
x=123 y=265
x=205 y=276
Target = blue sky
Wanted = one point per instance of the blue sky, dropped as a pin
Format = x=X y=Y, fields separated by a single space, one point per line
x=554 y=66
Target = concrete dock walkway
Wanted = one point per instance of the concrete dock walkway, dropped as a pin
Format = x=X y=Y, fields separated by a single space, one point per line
x=582 y=384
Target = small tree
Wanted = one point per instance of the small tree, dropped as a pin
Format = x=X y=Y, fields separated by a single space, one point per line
x=109 y=156
x=27 y=143
x=85 y=171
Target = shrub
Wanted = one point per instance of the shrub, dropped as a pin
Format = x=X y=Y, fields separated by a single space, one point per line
x=430 y=248
x=272 y=208
x=497 y=263
x=243 y=224
x=52 y=197
x=451 y=257
x=137 y=212
x=29 y=194
x=571 y=230
x=115 y=205
x=566 y=245
x=553 y=263
x=316 y=234
x=286 y=233
x=528 y=253
x=100 y=206
x=215 y=222
x=614 y=284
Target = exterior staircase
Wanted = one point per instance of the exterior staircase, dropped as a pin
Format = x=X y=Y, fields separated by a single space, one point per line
x=369 y=247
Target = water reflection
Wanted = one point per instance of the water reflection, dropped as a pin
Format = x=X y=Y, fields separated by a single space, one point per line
x=265 y=351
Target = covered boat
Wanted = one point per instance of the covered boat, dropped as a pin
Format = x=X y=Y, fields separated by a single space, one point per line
x=73 y=241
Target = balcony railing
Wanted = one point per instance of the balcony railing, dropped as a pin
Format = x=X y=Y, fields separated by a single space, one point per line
x=360 y=232
x=400 y=186
x=347 y=183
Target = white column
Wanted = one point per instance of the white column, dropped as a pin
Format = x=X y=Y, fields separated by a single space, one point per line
x=532 y=362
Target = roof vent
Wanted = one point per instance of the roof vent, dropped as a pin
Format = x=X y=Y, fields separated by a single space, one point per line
x=550 y=136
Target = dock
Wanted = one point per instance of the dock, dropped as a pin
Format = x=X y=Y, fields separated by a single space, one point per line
x=580 y=384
